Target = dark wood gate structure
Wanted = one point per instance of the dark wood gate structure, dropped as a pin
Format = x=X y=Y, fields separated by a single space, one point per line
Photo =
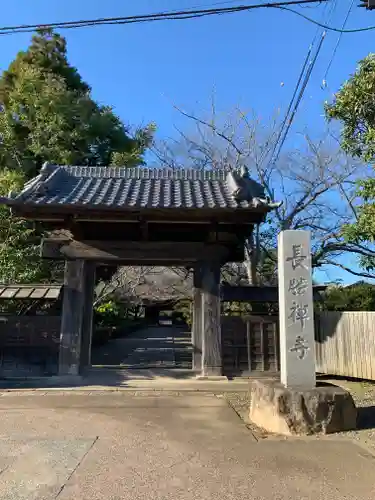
x=250 y=345
x=30 y=320
x=139 y=216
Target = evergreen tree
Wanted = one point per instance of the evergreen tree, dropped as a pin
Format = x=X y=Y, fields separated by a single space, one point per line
x=48 y=114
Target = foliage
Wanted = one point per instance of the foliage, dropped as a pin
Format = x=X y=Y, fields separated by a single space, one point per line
x=357 y=297
x=362 y=231
x=354 y=107
x=184 y=309
x=48 y=114
x=108 y=313
x=30 y=307
x=236 y=308
x=20 y=261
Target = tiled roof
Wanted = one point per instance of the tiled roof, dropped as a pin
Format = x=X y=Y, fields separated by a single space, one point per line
x=132 y=188
x=24 y=292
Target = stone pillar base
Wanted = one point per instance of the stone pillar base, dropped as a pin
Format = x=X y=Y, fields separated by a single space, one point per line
x=323 y=410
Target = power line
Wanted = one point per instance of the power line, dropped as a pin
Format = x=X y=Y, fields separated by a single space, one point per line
x=325 y=26
x=284 y=122
x=176 y=15
x=324 y=83
x=289 y=115
x=168 y=15
x=300 y=95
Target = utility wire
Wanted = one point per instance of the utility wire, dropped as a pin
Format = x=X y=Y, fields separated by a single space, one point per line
x=175 y=15
x=300 y=95
x=284 y=122
x=324 y=83
x=289 y=115
x=325 y=26
x=168 y=15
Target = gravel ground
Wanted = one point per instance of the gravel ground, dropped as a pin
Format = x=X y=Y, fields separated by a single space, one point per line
x=363 y=394
x=364 y=397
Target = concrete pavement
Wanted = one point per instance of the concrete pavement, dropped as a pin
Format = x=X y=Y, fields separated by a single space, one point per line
x=124 y=379
x=116 y=445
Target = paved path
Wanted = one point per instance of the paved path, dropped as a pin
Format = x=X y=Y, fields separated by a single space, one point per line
x=153 y=347
x=116 y=446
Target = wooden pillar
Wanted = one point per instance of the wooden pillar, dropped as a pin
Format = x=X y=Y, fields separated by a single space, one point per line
x=88 y=313
x=72 y=318
x=197 y=324
x=211 y=328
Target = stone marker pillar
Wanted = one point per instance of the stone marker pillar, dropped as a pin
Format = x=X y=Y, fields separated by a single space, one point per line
x=296 y=313
x=296 y=405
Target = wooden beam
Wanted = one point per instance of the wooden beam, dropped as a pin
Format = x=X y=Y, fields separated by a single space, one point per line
x=133 y=252
x=72 y=318
x=211 y=325
x=58 y=213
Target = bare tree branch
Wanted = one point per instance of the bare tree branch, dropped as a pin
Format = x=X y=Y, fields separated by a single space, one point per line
x=361 y=274
x=316 y=181
x=212 y=127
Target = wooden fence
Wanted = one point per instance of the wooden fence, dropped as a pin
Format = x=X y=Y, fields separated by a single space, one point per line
x=345 y=344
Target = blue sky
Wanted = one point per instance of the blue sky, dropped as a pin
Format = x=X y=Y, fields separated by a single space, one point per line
x=141 y=69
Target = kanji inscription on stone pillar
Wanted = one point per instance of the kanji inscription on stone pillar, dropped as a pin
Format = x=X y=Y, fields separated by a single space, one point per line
x=296 y=314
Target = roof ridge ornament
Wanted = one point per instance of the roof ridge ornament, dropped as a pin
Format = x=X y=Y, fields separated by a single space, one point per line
x=47 y=169
x=244 y=188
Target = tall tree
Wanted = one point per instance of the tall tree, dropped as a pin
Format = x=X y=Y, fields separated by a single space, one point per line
x=20 y=260
x=48 y=114
x=362 y=231
x=354 y=107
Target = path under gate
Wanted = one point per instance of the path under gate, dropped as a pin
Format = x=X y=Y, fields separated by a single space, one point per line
x=249 y=346
x=151 y=347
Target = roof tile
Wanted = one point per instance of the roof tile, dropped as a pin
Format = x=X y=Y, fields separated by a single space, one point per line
x=22 y=292
x=127 y=188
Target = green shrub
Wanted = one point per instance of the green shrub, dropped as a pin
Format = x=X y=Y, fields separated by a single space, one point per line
x=183 y=309
x=109 y=314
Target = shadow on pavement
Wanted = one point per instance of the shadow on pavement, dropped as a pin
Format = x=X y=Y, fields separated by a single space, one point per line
x=366 y=417
x=99 y=377
x=156 y=352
